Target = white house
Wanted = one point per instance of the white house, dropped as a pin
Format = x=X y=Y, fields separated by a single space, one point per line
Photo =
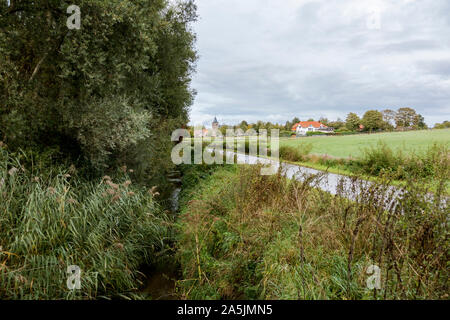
x=303 y=127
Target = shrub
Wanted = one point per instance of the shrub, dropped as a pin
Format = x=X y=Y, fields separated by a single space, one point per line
x=381 y=159
x=286 y=133
x=295 y=154
x=316 y=133
x=344 y=131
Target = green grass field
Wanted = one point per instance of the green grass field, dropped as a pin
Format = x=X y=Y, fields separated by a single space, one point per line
x=352 y=146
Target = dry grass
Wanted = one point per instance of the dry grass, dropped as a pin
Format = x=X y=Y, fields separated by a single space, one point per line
x=252 y=236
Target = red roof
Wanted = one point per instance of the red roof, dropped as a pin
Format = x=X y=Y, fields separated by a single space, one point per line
x=307 y=124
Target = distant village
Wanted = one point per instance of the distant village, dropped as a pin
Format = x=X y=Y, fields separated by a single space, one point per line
x=300 y=128
x=372 y=121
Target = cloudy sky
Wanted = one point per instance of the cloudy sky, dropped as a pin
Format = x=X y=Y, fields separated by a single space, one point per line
x=272 y=60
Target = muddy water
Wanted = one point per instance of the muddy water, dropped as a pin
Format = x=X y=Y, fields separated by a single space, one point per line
x=160 y=280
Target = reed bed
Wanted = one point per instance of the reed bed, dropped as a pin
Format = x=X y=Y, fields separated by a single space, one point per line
x=51 y=218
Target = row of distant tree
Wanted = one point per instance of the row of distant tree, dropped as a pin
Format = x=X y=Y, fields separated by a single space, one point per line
x=443 y=125
x=372 y=120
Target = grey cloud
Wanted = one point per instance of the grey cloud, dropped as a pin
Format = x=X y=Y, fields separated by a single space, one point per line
x=408 y=46
x=283 y=59
x=441 y=67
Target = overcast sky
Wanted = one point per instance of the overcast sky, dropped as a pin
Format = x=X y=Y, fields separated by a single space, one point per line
x=272 y=60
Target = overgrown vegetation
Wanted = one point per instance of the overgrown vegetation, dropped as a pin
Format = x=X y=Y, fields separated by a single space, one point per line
x=106 y=95
x=298 y=154
x=248 y=236
x=51 y=218
x=103 y=98
x=379 y=160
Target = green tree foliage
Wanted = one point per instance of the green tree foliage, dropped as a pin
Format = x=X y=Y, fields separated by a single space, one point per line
x=324 y=121
x=443 y=125
x=338 y=124
x=223 y=129
x=288 y=126
x=243 y=125
x=389 y=116
x=405 y=117
x=110 y=92
x=352 y=121
x=373 y=120
x=419 y=122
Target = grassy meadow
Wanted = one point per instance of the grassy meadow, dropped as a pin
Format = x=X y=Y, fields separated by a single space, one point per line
x=418 y=155
x=354 y=145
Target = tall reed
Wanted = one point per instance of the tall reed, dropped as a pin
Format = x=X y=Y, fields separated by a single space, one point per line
x=51 y=218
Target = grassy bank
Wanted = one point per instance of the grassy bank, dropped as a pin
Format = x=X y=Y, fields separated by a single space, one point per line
x=51 y=218
x=247 y=236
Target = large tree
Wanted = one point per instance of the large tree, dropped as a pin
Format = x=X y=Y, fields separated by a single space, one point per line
x=338 y=124
x=295 y=120
x=243 y=125
x=405 y=117
x=389 y=116
x=352 y=121
x=443 y=125
x=324 y=121
x=110 y=92
x=372 y=120
x=419 y=122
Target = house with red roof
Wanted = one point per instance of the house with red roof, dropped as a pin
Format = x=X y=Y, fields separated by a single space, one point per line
x=303 y=127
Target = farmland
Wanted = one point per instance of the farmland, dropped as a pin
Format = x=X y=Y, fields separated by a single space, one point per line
x=353 y=145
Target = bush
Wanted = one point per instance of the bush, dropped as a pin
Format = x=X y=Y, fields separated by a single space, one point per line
x=51 y=218
x=286 y=133
x=344 y=131
x=316 y=133
x=381 y=159
x=295 y=154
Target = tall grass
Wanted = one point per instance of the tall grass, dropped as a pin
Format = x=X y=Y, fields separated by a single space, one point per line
x=247 y=236
x=297 y=154
x=380 y=160
x=50 y=218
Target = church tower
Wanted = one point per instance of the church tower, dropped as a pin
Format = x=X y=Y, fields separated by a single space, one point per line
x=215 y=124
